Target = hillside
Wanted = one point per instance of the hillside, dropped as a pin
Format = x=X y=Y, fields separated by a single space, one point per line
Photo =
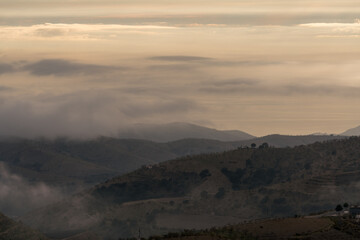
x=80 y=163
x=69 y=162
x=212 y=190
x=352 y=132
x=11 y=230
x=176 y=131
x=49 y=170
x=329 y=228
x=280 y=141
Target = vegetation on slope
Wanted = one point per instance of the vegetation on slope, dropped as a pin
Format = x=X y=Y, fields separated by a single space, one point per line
x=11 y=230
x=330 y=228
x=214 y=189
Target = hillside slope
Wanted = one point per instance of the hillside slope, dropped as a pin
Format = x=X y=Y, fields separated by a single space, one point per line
x=329 y=228
x=11 y=230
x=74 y=163
x=352 y=132
x=212 y=189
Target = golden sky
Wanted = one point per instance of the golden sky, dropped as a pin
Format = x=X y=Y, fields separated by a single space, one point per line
x=85 y=68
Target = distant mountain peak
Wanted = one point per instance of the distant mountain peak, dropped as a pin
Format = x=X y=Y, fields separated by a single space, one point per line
x=352 y=132
x=180 y=130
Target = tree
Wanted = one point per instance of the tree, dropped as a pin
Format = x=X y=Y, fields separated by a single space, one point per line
x=205 y=173
x=253 y=145
x=221 y=193
x=204 y=195
x=339 y=208
x=264 y=145
x=346 y=205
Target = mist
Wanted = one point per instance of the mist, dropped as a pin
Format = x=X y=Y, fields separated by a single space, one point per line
x=18 y=196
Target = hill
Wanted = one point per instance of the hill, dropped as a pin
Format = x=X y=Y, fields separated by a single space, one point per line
x=329 y=228
x=75 y=163
x=352 y=132
x=280 y=141
x=212 y=190
x=48 y=170
x=176 y=131
x=10 y=229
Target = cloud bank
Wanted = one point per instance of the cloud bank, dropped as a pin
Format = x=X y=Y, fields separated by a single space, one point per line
x=60 y=67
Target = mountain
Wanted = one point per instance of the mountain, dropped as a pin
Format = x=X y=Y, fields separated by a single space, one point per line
x=11 y=230
x=352 y=132
x=211 y=190
x=176 y=131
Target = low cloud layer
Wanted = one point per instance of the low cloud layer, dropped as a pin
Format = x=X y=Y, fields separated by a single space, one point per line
x=180 y=58
x=60 y=67
x=257 y=89
x=17 y=196
x=85 y=114
x=6 y=68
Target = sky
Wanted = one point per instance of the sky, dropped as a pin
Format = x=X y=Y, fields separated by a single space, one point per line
x=84 y=68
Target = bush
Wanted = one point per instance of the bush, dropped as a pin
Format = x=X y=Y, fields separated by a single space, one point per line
x=221 y=193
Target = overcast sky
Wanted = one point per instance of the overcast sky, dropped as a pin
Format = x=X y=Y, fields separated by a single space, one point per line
x=90 y=67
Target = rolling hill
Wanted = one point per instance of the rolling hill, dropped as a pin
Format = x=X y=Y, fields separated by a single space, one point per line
x=211 y=190
x=82 y=163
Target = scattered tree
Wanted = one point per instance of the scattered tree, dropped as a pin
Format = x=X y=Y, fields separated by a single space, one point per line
x=205 y=173
x=221 y=193
x=264 y=145
x=339 y=208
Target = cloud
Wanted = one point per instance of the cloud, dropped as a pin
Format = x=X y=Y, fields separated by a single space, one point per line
x=335 y=29
x=76 y=32
x=173 y=67
x=60 y=67
x=180 y=58
x=235 y=82
x=87 y=114
x=5 y=89
x=6 y=68
x=262 y=89
x=17 y=196
x=160 y=107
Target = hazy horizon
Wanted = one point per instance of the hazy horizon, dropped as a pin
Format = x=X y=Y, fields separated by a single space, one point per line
x=90 y=67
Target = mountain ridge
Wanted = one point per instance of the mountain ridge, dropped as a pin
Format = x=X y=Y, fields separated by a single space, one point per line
x=180 y=130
